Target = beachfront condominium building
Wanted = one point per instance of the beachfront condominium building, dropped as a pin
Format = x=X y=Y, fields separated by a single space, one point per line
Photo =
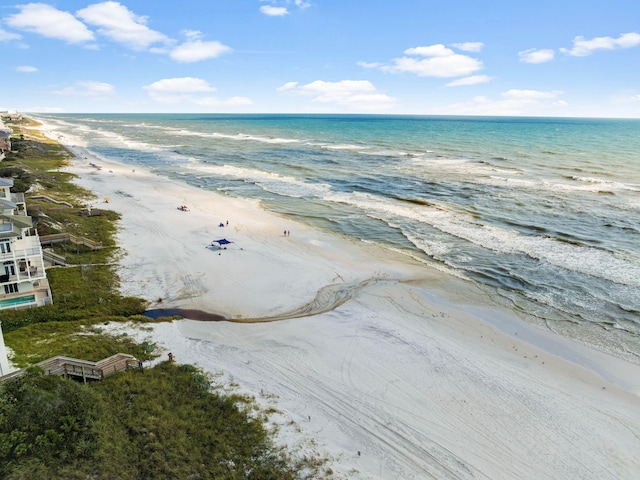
x=23 y=282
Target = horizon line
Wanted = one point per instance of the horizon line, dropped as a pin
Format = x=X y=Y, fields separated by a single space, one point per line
x=26 y=112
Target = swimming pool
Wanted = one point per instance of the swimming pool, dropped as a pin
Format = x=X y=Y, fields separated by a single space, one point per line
x=14 y=302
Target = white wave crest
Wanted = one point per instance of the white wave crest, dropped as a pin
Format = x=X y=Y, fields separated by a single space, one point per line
x=271 y=182
x=586 y=260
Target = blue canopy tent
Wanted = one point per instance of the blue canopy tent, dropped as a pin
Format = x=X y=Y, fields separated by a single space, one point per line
x=219 y=243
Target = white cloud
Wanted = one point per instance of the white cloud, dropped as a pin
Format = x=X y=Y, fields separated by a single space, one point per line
x=116 y=22
x=8 y=36
x=628 y=40
x=198 y=50
x=513 y=102
x=26 y=69
x=190 y=90
x=440 y=62
x=440 y=67
x=272 y=11
x=469 y=46
x=287 y=86
x=536 y=56
x=179 y=85
x=355 y=94
x=437 y=50
x=472 y=80
x=121 y=25
x=192 y=34
x=583 y=47
x=88 y=89
x=50 y=22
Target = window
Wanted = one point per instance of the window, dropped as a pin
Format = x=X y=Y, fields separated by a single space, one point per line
x=11 y=288
x=9 y=268
x=5 y=247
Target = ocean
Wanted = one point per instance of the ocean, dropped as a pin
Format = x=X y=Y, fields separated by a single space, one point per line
x=541 y=214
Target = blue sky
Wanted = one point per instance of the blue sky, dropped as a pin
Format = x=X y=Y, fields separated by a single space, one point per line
x=454 y=57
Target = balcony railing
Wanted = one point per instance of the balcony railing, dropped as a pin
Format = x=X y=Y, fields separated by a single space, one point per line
x=23 y=253
x=33 y=273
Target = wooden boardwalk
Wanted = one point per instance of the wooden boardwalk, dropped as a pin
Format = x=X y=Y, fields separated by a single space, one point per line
x=68 y=237
x=74 y=367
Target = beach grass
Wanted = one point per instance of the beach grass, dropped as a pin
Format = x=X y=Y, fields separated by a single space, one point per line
x=76 y=339
x=87 y=290
x=168 y=421
x=163 y=422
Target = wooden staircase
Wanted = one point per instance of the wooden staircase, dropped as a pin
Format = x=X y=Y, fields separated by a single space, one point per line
x=53 y=258
x=68 y=237
x=74 y=367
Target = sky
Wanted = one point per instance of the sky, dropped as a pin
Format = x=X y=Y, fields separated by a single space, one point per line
x=421 y=57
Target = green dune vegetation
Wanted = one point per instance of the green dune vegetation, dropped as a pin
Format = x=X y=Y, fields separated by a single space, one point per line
x=169 y=421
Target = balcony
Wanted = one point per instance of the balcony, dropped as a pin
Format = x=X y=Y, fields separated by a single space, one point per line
x=25 y=248
x=29 y=275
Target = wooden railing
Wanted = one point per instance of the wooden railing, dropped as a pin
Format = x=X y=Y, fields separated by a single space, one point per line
x=54 y=258
x=68 y=237
x=84 y=369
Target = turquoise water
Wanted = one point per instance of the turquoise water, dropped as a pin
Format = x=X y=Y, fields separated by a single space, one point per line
x=543 y=214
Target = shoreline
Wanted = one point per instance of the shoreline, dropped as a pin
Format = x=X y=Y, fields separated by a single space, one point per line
x=375 y=351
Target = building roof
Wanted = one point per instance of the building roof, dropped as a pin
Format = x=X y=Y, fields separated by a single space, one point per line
x=19 y=221
x=7 y=204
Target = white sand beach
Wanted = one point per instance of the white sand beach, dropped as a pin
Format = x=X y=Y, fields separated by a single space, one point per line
x=387 y=368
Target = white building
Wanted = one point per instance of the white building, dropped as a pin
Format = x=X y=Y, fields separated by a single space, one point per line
x=23 y=282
